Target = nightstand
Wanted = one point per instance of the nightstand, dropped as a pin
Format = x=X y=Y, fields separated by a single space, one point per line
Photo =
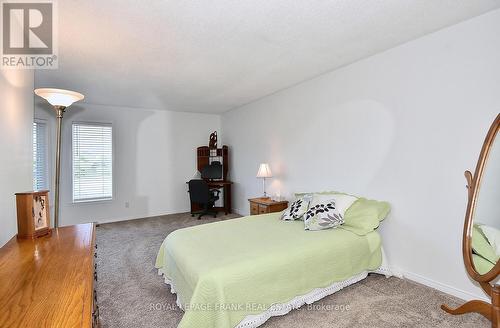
x=266 y=205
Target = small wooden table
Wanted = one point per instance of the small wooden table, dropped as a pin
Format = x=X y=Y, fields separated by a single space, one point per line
x=263 y=205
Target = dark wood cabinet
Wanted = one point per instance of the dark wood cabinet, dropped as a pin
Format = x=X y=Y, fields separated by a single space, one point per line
x=205 y=155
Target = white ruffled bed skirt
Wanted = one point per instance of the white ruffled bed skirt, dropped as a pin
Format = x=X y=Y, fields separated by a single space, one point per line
x=256 y=320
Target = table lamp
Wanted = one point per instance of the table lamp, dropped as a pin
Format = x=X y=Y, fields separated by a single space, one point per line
x=60 y=100
x=264 y=172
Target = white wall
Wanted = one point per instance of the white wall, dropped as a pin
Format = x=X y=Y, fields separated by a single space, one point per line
x=16 y=164
x=400 y=126
x=154 y=155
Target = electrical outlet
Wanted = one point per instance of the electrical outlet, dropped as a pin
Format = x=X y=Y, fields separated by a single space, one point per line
x=127 y=204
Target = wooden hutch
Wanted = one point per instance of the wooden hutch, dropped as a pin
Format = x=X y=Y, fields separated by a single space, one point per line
x=205 y=156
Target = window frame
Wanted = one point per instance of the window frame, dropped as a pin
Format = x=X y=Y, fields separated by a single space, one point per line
x=113 y=191
x=47 y=152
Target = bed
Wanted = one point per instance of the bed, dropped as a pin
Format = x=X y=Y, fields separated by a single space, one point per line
x=240 y=272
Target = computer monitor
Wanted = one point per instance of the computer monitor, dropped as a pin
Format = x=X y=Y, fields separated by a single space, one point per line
x=212 y=171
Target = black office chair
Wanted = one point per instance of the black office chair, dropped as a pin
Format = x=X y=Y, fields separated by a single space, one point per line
x=200 y=193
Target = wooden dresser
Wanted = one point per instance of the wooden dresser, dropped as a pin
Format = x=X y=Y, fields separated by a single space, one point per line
x=266 y=205
x=49 y=281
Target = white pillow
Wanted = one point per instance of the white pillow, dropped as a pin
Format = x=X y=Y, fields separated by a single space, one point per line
x=322 y=216
x=493 y=236
x=297 y=209
x=342 y=202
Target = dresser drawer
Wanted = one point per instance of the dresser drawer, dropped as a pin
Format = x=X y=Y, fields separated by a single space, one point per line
x=266 y=205
x=254 y=209
x=277 y=207
x=95 y=307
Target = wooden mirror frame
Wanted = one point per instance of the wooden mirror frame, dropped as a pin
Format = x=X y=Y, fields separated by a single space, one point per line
x=490 y=311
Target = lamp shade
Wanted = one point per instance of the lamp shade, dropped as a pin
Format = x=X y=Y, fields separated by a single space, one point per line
x=264 y=171
x=59 y=97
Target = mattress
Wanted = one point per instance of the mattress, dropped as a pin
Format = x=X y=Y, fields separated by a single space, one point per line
x=229 y=271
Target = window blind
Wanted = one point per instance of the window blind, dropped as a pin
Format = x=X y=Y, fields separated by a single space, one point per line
x=40 y=159
x=92 y=162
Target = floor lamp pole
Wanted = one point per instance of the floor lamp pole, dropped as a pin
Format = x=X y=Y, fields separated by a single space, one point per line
x=60 y=99
x=59 y=116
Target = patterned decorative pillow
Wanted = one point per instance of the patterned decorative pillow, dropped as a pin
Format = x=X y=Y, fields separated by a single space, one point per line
x=342 y=202
x=322 y=216
x=297 y=209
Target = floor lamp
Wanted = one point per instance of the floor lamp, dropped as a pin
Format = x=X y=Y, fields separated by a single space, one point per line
x=60 y=100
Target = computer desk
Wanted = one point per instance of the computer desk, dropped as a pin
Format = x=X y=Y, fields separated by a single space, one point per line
x=226 y=192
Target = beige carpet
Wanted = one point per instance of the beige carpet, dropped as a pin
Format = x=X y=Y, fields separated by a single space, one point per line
x=131 y=294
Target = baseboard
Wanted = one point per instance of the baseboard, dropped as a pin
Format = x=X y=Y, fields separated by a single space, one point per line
x=239 y=211
x=466 y=296
x=151 y=215
x=138 y=217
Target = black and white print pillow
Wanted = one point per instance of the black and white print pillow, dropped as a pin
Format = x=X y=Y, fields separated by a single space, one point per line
x=323 y=216
x=297 y=209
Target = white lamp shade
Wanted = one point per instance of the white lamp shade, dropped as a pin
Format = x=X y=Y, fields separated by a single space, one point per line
x=264 y=171
x=59 y=97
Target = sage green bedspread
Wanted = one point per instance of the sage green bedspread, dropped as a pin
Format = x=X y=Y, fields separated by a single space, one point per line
x=226 y=270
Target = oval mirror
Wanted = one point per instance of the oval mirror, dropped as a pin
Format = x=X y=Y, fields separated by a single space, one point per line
x=486 y=219
x=481 y=237
x=483 y=215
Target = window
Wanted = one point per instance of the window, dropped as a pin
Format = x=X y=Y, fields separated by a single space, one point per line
x=92 y=162
x=40 y=156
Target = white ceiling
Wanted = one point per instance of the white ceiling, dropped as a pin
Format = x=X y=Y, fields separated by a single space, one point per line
x=213 y=56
